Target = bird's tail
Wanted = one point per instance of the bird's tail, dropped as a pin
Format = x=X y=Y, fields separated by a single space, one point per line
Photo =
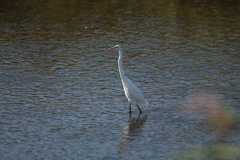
x=145 y=103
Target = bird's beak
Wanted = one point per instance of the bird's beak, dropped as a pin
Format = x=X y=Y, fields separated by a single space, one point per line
x=112 y=47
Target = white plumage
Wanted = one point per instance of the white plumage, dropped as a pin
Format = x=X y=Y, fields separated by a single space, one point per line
x=132 y=92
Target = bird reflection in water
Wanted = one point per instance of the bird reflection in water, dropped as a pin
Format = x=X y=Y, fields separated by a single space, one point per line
x=131 y=132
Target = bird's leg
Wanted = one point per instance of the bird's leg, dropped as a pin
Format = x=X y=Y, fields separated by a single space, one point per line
x=138 y=117
x=139 y=109
x=130 y=108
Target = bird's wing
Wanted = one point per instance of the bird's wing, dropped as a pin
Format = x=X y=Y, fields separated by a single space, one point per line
x=134 y=94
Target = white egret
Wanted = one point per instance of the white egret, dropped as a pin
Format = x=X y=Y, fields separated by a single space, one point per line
x=132 y=92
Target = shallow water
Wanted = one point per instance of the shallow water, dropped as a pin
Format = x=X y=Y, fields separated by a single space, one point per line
x=61 y=94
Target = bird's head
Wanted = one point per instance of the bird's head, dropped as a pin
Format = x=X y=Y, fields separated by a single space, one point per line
x=117 y=47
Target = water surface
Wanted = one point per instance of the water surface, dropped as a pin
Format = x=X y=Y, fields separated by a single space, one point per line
x=61 y=94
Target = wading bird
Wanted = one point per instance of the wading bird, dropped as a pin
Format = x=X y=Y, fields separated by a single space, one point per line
x=132 y=92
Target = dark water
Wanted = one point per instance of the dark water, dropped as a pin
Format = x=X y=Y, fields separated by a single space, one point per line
x=61 y=95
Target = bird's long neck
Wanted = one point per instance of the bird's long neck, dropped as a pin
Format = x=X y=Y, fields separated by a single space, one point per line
x=122 y=74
